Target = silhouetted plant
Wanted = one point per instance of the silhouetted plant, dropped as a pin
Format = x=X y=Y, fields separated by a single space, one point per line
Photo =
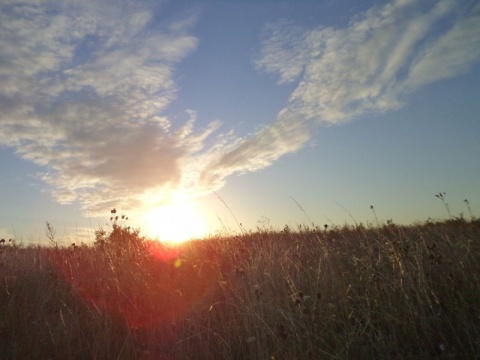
x=363 y=292
x=469 y=209
x=120 y=235
x=441 y=196
x=375 y=214
x=50 y=232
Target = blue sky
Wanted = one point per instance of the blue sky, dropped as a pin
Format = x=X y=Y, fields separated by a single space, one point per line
x=170 y=110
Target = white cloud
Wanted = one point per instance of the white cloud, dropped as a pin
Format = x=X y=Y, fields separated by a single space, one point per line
x=286 y=135
x=368 y=66
x=83 y=85
x=83 y=88
x=454 y=53
x=285 y=51
x=373 y=63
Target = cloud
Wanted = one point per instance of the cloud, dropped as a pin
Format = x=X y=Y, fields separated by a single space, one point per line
x=286 y=135
x=454 y=53
x=370 y=65
x=84 y=87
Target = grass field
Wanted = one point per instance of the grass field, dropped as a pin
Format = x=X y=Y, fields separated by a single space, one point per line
x=356 y=292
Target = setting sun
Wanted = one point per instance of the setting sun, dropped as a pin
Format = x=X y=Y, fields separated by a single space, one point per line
x=175 y=222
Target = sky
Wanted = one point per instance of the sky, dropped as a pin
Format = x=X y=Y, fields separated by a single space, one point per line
x=197 y=117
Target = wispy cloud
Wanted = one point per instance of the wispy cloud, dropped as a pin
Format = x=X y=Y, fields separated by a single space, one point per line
x=370 y=65
x=287 y=134
x=84 y=87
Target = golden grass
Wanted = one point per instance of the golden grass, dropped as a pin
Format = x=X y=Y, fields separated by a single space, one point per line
x=384 y=292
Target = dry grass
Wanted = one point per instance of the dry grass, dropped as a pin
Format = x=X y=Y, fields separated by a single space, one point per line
x=385 y=292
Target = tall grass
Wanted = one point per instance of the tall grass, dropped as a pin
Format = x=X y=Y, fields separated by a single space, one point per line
x=362 y=292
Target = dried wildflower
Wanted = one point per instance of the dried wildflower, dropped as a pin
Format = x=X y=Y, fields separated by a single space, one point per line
x=441 y=196
x=469 y=209
x=299 y=299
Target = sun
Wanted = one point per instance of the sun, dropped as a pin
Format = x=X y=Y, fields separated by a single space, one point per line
x=175 y=222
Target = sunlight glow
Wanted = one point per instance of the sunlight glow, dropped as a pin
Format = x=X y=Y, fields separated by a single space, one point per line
x=175 y=222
